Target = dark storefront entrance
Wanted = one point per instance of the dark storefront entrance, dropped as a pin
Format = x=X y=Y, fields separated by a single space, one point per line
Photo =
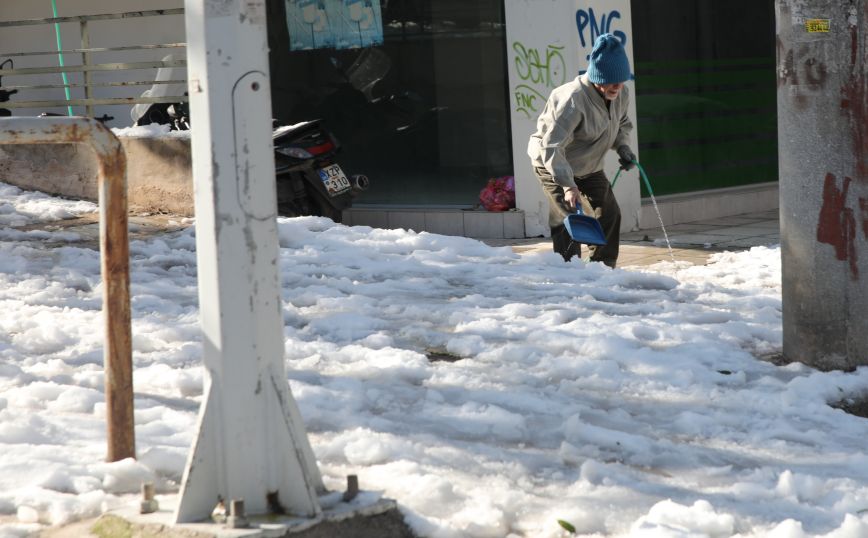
x=425 y=115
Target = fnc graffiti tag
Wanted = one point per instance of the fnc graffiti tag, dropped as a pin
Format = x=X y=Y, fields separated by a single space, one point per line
x=544 y=69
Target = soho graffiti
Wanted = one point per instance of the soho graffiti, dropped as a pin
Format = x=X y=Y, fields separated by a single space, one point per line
x=538 y=71
x=542 y=70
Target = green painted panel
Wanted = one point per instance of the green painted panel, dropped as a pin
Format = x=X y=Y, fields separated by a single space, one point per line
x=684 y=65
x=709 y=179
x=665 y=130
x=708 y=136
x=710 y=79
x=710 y=102
x=670 y=165
x=706 y=93
x=705 y=155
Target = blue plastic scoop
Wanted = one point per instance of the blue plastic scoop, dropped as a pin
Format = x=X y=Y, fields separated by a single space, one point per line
x=584 y=228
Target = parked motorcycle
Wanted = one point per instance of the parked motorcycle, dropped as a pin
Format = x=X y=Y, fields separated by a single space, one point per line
x=176 y=115
x=309 y=179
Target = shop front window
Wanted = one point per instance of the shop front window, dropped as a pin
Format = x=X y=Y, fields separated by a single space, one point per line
x=706 y=93
x=423 y=114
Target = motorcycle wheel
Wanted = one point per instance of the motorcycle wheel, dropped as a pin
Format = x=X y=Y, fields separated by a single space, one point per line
x=292 y=199
x=325 y=209
x=295 y=198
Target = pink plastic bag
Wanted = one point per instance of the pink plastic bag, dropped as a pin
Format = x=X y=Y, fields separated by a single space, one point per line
x=498 y=194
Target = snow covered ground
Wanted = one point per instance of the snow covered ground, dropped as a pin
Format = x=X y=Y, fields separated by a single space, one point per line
x=625 y=402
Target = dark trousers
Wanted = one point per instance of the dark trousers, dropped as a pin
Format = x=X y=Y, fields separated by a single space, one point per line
x=599 y=192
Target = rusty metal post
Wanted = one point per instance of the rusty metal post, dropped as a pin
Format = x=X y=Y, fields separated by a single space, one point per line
x=114 y=257
x=822 y=72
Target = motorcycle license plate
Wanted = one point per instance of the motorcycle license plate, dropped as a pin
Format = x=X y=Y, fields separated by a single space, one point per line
x=334 y=179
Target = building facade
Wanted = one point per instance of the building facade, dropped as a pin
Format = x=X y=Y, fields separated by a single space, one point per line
x=432 y=98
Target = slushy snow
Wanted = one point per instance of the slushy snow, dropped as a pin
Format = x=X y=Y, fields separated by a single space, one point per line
x=628 y=402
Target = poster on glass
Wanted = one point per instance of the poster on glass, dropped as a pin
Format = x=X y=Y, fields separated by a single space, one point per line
x=340 y=24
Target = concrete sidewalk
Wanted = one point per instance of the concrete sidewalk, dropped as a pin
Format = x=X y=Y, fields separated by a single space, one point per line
x=693 y=242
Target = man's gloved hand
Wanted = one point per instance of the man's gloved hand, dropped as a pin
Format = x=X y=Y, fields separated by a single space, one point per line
x=626 y=157
x=571 y=196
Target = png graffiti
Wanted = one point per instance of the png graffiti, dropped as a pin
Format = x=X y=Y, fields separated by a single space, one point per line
x=540 y=71
x=590 y=29
x=587 y=20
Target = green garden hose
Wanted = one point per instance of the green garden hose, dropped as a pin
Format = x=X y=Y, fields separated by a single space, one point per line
x=60 y=55
x=653 y=201
x=641 y=172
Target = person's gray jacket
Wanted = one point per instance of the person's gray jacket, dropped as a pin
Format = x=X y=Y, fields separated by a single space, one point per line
x=576 y=129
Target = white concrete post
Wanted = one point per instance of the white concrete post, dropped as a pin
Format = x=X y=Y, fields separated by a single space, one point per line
x=251 y=444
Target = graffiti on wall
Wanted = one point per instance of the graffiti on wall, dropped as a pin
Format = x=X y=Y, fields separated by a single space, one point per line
x=590 y=27
x=543 y=69
x=540 y=71
x=799 y=68
x=837 y=223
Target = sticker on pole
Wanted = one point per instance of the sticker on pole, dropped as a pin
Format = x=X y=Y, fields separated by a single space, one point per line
x=816 y=26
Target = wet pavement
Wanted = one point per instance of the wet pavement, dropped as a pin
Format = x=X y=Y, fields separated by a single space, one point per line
x=693 y=242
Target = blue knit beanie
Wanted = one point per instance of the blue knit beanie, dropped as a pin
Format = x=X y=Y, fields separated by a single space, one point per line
x=609 y=64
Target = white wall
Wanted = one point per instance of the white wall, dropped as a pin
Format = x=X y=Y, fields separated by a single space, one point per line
x=136 y=31
x=545 y=48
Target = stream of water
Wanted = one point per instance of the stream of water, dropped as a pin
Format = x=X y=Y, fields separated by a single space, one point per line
x=662 y=227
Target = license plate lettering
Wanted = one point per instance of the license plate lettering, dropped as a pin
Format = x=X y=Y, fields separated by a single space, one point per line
x=334 y=179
